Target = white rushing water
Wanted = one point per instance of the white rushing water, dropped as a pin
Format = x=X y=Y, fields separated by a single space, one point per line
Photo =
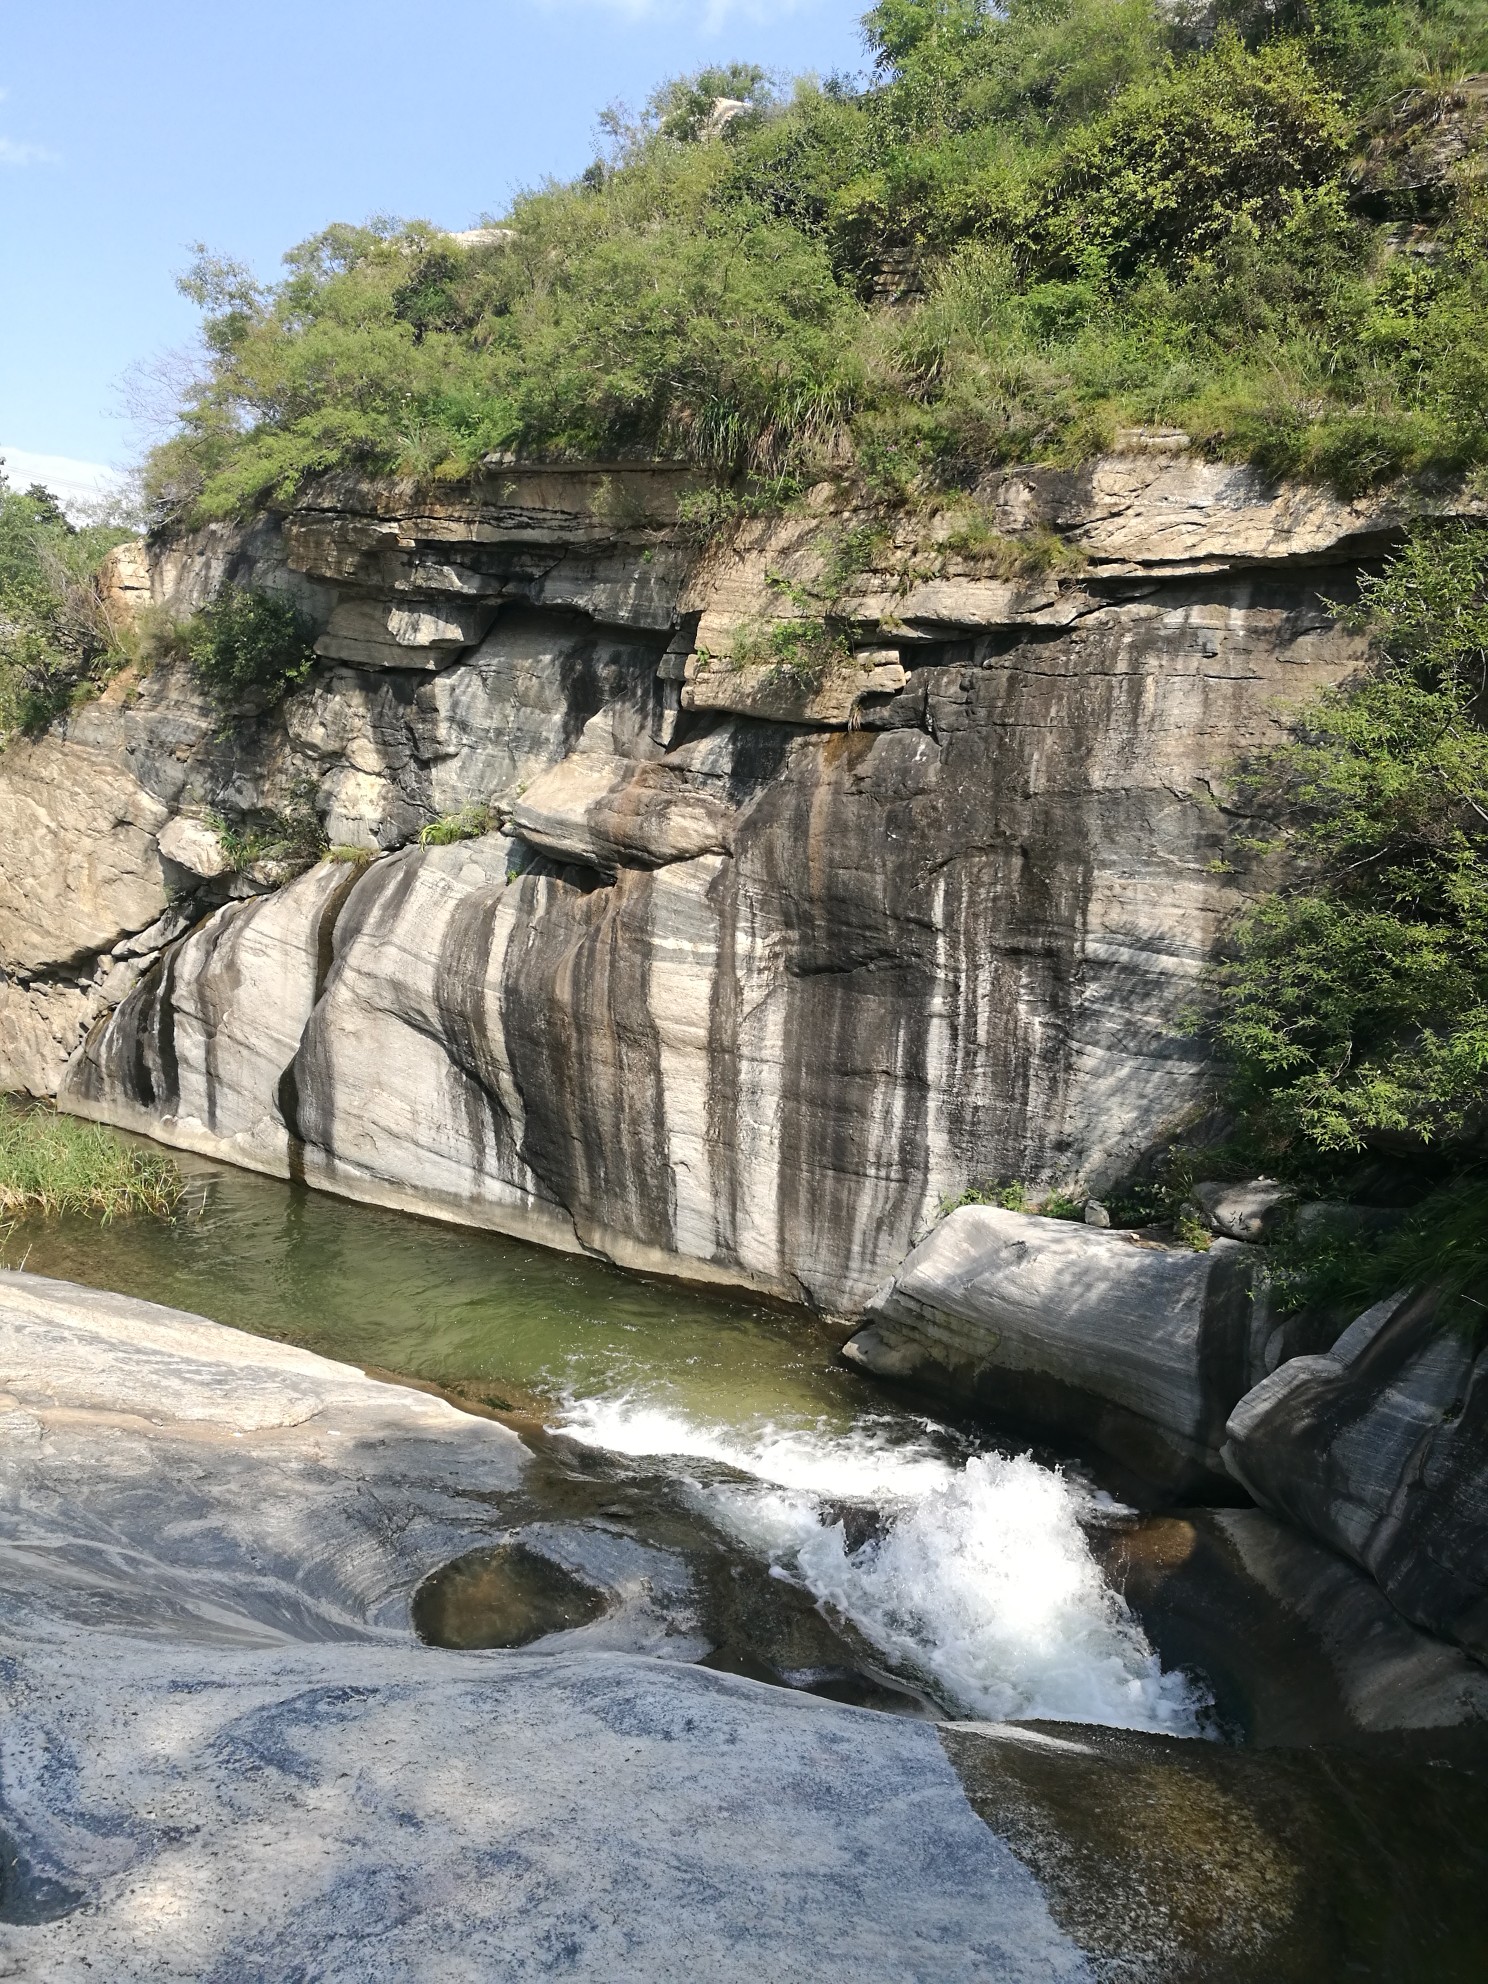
x=979 y=1576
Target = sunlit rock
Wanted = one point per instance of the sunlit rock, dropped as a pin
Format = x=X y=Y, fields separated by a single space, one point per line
x=1139 y=1349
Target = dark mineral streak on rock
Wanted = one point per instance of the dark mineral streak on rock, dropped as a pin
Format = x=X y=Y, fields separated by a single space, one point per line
x=584 y=1051
x=307 y=1086
x=131 y=1053
x=725 y=1017
x=461 y=991
x=287 y=1093
x=852 y=1144
x=1225 y=1369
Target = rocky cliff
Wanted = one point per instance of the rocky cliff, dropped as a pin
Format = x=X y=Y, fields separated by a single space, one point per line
x=759 y=962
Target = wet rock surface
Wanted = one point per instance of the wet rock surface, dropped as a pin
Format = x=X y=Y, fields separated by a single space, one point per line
x=502 y=1597
x=1192 y=1861
x=227 y=1755
x=1296 y=1647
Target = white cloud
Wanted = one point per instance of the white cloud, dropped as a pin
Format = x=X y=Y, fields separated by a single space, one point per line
x=76 y=485
x=12 y=153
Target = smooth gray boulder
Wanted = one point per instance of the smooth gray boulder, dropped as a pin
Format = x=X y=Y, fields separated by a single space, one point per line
x=1139 y=1349
x=227 y=1757
x=1249 y=1211
x=1380 y=1449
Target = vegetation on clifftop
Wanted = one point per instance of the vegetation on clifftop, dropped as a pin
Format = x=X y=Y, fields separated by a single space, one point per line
x=1029 y=228
x=56 y=636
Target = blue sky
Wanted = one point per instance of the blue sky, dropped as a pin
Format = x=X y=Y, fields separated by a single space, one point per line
x=127 y=133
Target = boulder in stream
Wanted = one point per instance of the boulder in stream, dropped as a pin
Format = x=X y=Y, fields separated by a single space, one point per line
x=1379 y=1448
x=1137 y=1349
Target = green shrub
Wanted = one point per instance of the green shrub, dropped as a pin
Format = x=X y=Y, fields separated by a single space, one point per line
x=1014 y=1196
x=1230 y=143
x=802 y=652
x=1059 y=1205
x=1010 y=1197
x=1442 y=1242
x=468 y=824
x=289 y=841
x=1038 y=225
x=56 y=1164
x=249 y=644
x=57 y=642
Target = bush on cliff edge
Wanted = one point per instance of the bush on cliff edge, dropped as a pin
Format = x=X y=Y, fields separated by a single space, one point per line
x=56 y=636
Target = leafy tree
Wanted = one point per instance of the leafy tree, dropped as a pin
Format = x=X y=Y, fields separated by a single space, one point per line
x=1356 y=1006
x=1228 y=144
x=56 y=638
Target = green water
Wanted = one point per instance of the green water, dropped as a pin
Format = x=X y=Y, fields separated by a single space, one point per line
x=494 y=1322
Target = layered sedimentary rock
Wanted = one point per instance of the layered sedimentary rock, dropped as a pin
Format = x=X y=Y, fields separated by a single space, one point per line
x=759 y=967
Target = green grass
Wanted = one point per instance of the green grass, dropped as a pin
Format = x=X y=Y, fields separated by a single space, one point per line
x=468 y=824
x=292 y=840
x=1442 y=1243
x=1015 y=1196
x=56 y=1164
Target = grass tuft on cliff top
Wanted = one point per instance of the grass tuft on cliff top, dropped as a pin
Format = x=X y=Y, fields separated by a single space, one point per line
x=1023 y=230
x=56 y=1164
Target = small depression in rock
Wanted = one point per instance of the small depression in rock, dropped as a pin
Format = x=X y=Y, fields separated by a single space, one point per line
x=508 y=1596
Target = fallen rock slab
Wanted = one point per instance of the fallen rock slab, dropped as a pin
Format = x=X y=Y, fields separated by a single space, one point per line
x=1379 y=1448
x=1139 y=1350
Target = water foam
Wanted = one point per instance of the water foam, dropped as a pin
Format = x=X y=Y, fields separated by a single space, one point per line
x=980 y=1577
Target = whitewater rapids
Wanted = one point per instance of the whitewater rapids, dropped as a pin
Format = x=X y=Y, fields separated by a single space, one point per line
x=978 y=1577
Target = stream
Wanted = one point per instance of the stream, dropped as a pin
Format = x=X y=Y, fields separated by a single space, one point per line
x=832 y=1538
x=707 y=1483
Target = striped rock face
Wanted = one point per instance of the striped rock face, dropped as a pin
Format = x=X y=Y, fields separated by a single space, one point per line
x=754 y=967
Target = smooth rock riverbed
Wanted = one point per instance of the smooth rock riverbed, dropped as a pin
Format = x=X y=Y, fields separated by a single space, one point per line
x=228 y=1757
